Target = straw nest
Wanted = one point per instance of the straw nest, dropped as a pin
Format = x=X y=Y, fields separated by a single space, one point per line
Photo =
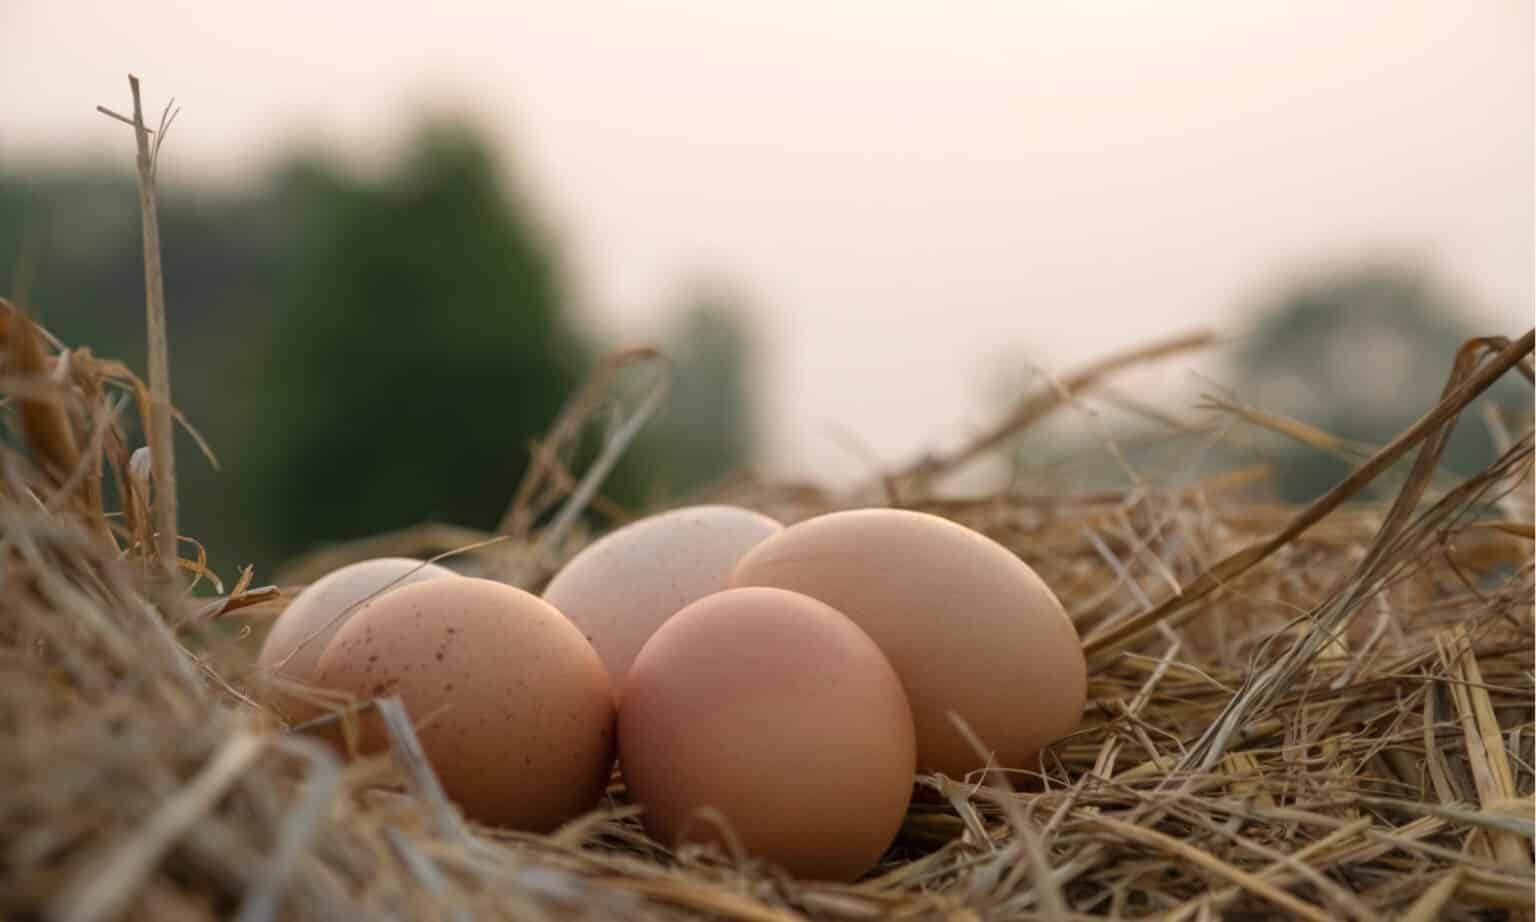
x=1315 y=713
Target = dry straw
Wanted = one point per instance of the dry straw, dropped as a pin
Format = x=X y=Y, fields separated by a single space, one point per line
x=1314 y=713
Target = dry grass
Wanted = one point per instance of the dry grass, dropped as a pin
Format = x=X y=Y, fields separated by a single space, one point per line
x=1319 y=713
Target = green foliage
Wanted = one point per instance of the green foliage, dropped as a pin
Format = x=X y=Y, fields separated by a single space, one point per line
x=363 y=354
x=422 y=344
x=706 y=431
x=70 y=247
x=1361 y=352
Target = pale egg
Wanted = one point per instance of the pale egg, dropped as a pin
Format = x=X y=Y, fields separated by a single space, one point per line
x=296 y=639
x=622 y=587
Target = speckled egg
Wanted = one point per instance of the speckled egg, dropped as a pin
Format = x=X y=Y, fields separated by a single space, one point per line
x=772 y=710
x=970 y=628
x=512 y=705
x=296 y=639
x=622 y=587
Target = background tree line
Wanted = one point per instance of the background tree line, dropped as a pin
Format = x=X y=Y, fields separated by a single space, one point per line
x=367 y=354
x=363 y=354
x=1356 y=350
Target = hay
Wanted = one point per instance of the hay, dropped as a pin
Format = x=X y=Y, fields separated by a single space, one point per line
x=1320 y=713
x=1316 y=713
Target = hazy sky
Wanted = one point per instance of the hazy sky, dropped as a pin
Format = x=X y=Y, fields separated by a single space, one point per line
x=910 y=191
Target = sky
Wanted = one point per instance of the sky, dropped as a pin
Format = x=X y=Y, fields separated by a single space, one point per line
x=922 y=199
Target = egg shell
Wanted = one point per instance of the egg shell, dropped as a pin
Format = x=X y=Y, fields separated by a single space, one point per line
x=622 y=587
x=777 y=711
x=296 y=639
x=510 y=702
x=968 y=626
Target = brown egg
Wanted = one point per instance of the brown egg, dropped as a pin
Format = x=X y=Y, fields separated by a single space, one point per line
x=778 y=712
x=293 y=646
x=968 y=626
x=511 y=703
x=620 y=588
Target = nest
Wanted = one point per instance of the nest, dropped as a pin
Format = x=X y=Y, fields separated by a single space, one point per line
x=1321 y=712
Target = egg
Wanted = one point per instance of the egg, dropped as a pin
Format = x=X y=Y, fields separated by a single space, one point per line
x=620 y=588
x=511 y=704
x=969 y=627
x=780 y=714
x=293 y=645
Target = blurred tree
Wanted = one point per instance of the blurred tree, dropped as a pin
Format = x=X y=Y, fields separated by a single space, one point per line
x=1361 y=352
x=70 y=246
x=705 y=431
x=363 y=354
x=420 y=343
